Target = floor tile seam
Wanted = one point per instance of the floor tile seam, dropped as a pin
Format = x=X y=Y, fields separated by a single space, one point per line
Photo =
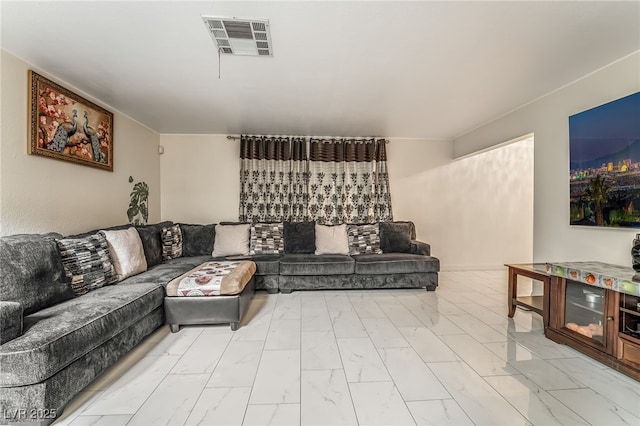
x=344 y=372
x=502 y=396
x=432 y=372
x=300 y=363
x=262 y=350
x=390 y=322
x=448 y=317
x=574 y=379
x=204 y=387
x=459 y=405
x=273 y=403
x=187 y=350
x=395 y=385
x=549 y=392
x=441 y=341
x=601 y=394
x=150 y=394
x=75 y=414
x=615 y=404
x=534 y=355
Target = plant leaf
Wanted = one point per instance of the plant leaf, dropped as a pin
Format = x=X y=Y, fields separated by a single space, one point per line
x=132 y=212
x=145 y=212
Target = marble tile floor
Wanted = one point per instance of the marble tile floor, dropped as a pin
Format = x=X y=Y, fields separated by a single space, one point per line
x=369 y=357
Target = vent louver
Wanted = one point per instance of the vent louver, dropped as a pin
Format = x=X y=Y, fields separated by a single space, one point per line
x=238 y=36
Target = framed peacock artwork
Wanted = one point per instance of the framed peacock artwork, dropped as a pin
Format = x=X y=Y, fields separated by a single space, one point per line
x=66 y=126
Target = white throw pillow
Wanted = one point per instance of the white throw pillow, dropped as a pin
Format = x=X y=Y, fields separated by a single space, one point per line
x=231 y=240
x=332 y=239
x=127 y=253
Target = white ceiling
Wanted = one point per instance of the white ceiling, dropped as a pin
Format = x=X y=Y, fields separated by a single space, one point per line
x=395 y=69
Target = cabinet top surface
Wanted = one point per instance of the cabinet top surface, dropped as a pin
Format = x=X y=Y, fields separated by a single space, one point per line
x=598 y=274
x=531 y=267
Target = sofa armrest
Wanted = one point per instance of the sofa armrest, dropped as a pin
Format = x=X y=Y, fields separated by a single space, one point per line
x=418 y=247
x=10 y=321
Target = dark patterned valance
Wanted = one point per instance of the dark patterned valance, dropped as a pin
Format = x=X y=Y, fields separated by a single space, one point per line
x=340 y=180
x=272 y=148
x=342 y=149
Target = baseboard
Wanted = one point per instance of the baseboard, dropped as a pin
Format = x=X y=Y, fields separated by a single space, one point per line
x=461 y=268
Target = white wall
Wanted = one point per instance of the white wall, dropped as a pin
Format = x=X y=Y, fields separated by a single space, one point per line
x=477 y=212
x=200 y=178
x=547 y=118
x=39 y=194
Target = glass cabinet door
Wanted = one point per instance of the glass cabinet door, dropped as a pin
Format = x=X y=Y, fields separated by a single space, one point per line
x=584 y=310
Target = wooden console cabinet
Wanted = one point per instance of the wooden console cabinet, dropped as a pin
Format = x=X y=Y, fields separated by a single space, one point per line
x=591 y=314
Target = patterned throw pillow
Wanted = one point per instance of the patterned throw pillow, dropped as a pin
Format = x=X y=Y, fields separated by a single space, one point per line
x=87 y=262
x=364 y=239
x=171 y=242
x=266 y=238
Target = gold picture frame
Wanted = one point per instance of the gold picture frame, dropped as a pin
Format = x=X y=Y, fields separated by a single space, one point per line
x=68 y=127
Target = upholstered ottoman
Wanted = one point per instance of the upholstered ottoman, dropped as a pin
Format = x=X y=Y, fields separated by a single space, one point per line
x=212 y=293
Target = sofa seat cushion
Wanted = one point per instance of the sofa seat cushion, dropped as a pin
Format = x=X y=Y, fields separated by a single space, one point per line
x=55 y=337
x=395 y=263
x=159 y=275
x=311 y=264
x=189 y=262
x=267 y=264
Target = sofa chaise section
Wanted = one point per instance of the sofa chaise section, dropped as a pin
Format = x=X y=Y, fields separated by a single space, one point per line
x=54 y=344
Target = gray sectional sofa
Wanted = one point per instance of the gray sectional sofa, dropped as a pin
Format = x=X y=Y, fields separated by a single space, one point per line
x=53 y=344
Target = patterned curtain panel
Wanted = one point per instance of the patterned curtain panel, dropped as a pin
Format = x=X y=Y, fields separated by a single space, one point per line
x=264 y=179
x=326 y=181
x=382 y=203
x=274 y=179
x=348 y=181
x=299 y=181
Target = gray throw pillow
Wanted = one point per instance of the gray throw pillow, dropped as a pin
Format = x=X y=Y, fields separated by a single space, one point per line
x=395 y=237
x=197 y=240
x=299 y=237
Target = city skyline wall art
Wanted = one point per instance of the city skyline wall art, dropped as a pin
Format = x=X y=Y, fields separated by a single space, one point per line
x=604 y=170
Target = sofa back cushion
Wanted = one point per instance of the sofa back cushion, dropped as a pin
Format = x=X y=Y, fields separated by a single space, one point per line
x=197 y=240
x=395 y=237
x=31 y=272
x=151 y=236
x=299 y=237
x=95 y=231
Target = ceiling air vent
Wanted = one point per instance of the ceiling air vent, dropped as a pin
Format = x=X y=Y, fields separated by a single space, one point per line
x=239 y=36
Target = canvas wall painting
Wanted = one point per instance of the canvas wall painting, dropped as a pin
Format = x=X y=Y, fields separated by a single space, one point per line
x=65 y=126
x=604 y=145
